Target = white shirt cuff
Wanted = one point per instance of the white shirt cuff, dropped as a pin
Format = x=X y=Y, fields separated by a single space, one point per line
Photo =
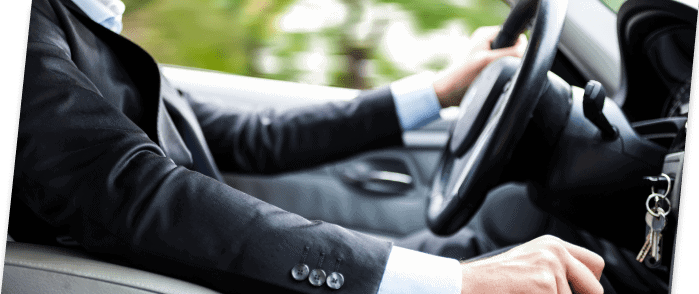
x=413 y=272
x=416 y=101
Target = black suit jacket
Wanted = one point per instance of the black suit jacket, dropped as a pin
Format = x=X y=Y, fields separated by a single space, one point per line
x=129 y=165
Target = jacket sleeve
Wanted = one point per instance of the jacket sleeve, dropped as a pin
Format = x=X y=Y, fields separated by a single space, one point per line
x=81 y=163
x=266 y=141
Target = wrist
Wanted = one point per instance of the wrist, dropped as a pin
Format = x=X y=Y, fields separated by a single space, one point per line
x=467 y=284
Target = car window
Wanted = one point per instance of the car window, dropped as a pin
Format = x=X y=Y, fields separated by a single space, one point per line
x=345 y=43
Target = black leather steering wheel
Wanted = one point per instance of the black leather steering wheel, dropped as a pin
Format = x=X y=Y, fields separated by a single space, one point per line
x=494 y=114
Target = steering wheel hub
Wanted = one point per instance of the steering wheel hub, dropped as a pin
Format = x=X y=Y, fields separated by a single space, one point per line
x=477 y=105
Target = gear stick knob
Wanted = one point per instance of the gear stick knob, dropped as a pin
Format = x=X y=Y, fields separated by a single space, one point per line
x=593 y=102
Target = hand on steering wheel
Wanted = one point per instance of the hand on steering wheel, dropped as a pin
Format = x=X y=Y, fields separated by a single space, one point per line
x=494 y=114
x=453 y=82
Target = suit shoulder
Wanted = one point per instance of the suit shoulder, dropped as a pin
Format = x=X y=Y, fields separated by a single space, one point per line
x=45 y=24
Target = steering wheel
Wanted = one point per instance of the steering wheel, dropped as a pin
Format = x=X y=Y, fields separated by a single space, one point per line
x=494 y=114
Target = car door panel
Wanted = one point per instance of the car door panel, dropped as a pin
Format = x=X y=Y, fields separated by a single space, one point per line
x=322 y=194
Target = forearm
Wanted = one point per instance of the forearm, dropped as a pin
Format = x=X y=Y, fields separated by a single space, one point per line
x=270 y=142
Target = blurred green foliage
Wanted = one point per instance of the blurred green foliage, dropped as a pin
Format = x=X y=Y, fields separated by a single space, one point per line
x=230 y=35
x=613 y=4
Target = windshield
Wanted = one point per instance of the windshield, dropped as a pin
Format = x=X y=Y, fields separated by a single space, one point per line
x=349 y=44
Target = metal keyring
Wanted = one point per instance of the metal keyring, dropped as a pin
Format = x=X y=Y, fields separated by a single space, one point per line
x=653 y=196
x=669 y=184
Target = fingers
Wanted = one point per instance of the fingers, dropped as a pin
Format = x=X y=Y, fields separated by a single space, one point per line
x=483 y=37
x=591 y=260
x=583 y=267
x=521 y=45
x=581 y=279
x=486 y=33
x=516 y=50
x=509 y=51
x=563 y=286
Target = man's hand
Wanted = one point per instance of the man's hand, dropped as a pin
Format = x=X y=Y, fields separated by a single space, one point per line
x=452 y=85
x=543 y=265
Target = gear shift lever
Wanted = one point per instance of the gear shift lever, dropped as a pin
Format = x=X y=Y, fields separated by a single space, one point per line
x=593 y=102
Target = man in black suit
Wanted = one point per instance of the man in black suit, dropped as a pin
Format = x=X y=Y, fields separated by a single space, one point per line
x=111 y=154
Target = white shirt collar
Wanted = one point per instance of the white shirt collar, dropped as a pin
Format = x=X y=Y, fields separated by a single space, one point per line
x=108 y=13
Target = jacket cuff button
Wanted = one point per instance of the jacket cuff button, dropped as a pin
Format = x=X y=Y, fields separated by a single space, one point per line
x=335 y=280
x=317 y=277
x=300 y=272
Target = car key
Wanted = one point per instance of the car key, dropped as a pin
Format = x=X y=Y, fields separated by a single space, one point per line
x=658 y=224
x=649 y=236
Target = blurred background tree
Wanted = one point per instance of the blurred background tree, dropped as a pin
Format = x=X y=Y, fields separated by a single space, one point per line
x=346 y=43
x=613 y=4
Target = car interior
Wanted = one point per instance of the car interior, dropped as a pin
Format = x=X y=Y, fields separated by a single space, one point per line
x=606 y=111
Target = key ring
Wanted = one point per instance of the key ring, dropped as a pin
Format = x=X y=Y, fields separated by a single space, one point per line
x=667 y=191
x=669 y=184
x=654 y=196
